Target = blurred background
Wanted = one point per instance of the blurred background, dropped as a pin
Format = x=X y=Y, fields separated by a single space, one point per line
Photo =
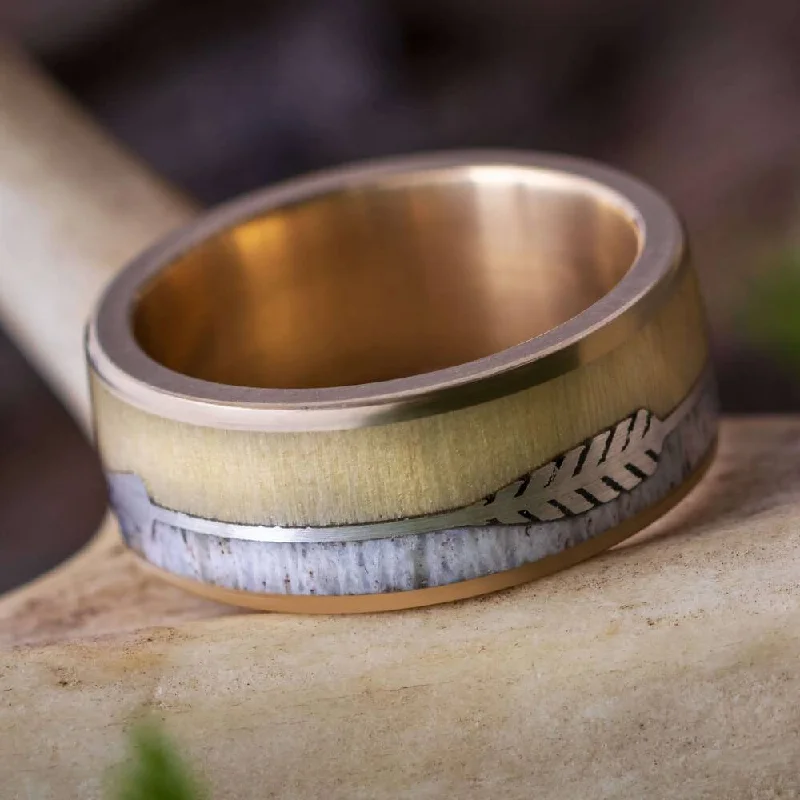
x=700 y=98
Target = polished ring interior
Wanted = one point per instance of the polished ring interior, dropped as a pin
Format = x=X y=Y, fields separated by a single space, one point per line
x=354 y=384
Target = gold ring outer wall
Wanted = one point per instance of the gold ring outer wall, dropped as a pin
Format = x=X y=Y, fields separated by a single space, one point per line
x=410 y=468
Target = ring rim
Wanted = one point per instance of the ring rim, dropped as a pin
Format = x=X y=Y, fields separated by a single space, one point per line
x=127 y=371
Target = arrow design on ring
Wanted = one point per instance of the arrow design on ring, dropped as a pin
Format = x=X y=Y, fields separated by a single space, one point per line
x=599 y=470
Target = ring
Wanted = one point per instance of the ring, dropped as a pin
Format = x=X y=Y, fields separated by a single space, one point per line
x=403 y=383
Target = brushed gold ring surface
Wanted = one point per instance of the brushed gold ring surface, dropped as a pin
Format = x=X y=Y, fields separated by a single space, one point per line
x=402 y=376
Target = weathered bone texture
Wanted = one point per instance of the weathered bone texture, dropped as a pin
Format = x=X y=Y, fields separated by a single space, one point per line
x=664 y=668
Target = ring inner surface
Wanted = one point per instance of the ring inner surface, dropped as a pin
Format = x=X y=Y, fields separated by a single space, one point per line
x=393 y=279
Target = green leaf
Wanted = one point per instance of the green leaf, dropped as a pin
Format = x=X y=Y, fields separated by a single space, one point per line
x=154 y=770
x=772 y=315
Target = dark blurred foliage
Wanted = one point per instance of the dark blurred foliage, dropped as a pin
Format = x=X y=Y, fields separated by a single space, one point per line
x=771 y=318
x=222 y=97
x=700 y=97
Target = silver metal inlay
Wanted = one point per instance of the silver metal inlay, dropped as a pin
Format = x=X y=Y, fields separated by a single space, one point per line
x=592 y=474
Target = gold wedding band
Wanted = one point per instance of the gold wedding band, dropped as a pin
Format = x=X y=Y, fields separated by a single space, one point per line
x=403 y=383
